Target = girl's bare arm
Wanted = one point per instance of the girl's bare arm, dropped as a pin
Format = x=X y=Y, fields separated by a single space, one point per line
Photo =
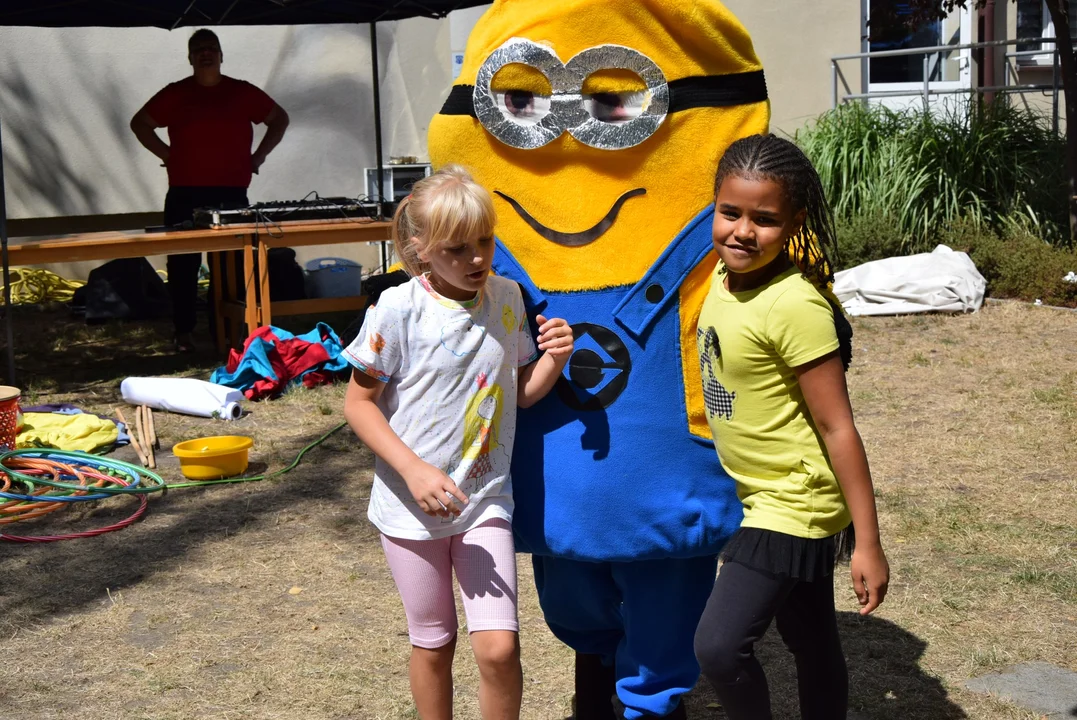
x=823 y=383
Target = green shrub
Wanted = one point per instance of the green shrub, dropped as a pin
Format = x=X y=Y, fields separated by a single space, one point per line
x=1017 y=264
x=990 y=165
x=863 y=238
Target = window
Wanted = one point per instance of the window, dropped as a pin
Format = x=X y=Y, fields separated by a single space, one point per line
x=888 y=29
x=895 y=35
x=1034 y=22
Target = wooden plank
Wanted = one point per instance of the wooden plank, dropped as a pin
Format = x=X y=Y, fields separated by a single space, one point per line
x=112 y=245
x=248 y=285
x=313 y=306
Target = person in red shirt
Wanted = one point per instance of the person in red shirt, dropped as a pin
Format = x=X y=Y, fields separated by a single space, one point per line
x=210 y=120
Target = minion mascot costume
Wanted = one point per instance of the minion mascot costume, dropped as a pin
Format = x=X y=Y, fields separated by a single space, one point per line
x=599 y=126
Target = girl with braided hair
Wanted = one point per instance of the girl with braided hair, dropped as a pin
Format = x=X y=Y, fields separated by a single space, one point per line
x=773 y=350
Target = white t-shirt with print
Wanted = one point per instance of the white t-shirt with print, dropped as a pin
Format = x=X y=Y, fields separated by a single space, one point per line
x=450 y=371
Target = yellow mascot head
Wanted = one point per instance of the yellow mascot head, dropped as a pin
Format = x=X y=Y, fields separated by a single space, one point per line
x=599 y=126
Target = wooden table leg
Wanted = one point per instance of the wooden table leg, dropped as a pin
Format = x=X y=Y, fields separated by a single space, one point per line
x=265 y=314
x=218 y=307
x=251 y=310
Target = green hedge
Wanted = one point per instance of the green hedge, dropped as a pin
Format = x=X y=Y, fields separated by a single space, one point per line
x=909 y=175
x=1018 y=264
x=986 y=179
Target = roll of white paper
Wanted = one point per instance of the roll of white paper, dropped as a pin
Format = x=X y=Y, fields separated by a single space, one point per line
x=189 y=396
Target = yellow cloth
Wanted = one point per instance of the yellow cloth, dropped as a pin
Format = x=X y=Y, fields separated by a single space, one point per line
x=767 y=441
x=66 y=432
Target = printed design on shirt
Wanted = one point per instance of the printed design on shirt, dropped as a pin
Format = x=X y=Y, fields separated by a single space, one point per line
x=377 y=343
x=482 y=424
x=482 y=421
x=508 y=319
x=716 y=398
x=463 y=336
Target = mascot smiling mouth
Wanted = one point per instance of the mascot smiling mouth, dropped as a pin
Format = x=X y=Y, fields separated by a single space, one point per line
x=576 y=239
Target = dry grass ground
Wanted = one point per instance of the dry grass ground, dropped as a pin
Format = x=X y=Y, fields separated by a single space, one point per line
x=271 y=599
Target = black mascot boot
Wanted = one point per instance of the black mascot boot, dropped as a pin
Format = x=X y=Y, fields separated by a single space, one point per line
x=595 y=685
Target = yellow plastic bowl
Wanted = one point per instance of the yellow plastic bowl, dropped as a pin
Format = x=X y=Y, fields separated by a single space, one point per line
x=211 y=458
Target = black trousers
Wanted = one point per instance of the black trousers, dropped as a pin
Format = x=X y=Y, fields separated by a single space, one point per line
x=740 y=608
x=180 y=204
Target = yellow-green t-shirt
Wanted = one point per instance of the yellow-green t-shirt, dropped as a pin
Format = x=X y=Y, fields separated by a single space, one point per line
x=749 y=343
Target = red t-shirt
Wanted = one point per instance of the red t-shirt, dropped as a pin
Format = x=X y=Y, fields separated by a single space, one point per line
x=209 y=130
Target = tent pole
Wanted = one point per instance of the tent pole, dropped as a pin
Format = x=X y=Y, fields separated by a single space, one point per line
x=377 y=133
x=7 y=274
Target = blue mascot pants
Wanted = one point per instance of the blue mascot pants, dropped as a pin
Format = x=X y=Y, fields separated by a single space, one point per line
x=641 y=616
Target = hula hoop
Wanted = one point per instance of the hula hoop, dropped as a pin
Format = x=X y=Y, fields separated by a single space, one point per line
x=134 y=473
x=56 y=468
x=143 y=504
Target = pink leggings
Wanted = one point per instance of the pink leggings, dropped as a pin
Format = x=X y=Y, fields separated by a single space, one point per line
x=484 y=558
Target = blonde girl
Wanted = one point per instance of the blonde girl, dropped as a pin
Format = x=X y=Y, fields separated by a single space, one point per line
x=440 y=365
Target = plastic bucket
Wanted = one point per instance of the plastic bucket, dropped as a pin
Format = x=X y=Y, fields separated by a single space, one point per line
x=330 y=277
x=210 y=458
x=9 y=416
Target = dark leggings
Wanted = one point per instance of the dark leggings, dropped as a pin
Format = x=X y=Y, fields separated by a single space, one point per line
x=741 y=606
x=180 y=204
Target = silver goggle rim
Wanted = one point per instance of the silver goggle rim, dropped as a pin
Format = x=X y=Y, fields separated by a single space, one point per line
x=567 y=110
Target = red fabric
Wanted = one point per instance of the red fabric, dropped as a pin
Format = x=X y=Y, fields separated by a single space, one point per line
x=288 y=358
x=209 y=130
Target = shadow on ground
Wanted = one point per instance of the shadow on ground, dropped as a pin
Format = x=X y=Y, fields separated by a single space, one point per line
x=46 y=579
x=885 y=678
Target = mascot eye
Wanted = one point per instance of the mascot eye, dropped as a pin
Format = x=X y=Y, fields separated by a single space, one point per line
x=610 y=107
x=523 y=106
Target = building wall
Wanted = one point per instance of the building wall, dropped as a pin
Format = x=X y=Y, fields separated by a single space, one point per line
x=1024 y=72
x=795 y=41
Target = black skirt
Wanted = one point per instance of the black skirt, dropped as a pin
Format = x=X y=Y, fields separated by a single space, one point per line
x=785 y=555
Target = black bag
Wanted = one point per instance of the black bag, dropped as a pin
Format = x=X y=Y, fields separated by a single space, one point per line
x=286 y=281
x=373 y=287
x=124 y=289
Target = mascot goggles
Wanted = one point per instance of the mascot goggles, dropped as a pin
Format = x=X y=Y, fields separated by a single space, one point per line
x=607 y=121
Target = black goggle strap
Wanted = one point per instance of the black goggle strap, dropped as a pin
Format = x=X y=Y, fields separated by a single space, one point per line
x=684 y=94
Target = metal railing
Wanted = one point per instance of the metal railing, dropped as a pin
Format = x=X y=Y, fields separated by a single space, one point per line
x=1012 y=67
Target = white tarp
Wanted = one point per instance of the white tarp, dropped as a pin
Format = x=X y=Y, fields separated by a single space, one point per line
x=939 y=281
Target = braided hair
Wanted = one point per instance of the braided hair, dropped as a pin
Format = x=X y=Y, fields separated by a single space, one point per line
x=769 y=157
